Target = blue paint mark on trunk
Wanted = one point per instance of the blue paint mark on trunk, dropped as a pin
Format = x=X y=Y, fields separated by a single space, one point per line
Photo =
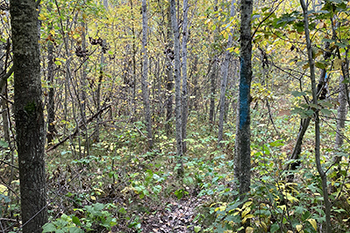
x=243 y=96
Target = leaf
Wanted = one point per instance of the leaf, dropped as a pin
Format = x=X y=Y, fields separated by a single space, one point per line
x=2 y=188
x=249 y=230
x=298 y=93
x=291 y=198
x=4 y=144
x=248 y=203
x=337 y=63
x=313 y=223
x=75 y=230
x=275 y=227
x=76 y=220
x=245 y=212
x=306 y=66
x=299 y=227
x=49 y=227
x=320 y=65
x=326 y=112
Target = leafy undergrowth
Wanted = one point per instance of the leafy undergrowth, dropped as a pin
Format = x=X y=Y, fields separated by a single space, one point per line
x=120 y=187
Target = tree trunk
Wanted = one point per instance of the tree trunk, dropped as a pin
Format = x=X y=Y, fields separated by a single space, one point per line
x=341 y=116
x=4 y=102
x=96 y=135
x=83 y=89
x=224 y=73
x=242 y=150
x=145 y=89
x=28 y=108
x=184 y=74
x=170 y=77
x=194 y=98
x=320 y=170
x=51 y=101
x=178 y=115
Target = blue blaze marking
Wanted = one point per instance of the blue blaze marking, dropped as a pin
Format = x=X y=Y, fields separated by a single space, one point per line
x=243 y=97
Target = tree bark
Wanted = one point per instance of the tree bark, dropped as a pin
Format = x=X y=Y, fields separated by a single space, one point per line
x=320 y=170
x=242 y=150
x=178 y=115
x=145 y=89
x=184 y=73
x=51 y=101
x=224 y=73
x=28 y=108
x=4 y=101
x=170 y=77
x=341 y=116
x=213 y=75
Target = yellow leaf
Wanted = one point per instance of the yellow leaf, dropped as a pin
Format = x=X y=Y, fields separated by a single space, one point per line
x=93 y=198
x=291 y=198
x=2 y=188
x=249 y=230
x=305 y=66
x=248 y=203
x=337 y=63
x=264 y=226
x=313 y=223
x=299 y=227
x=245 y=212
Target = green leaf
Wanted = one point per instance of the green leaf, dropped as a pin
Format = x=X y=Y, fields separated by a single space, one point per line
x=326 y=112
x=76 y=220
x=75 y=230
x=4 y=144
x=298 y=93
x=197 y=229
x=49 y=227
x=275 y=227
x=320 y=65
x=122 y=210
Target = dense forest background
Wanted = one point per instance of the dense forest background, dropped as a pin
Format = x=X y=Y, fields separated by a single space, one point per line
x=144 y=105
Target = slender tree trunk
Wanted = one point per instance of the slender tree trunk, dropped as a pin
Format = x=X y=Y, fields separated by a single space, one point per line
x=304 y=123
x=341 y=116
x=184 y=74
x=224 y=73
x=51 y=95
x=213 y=76
x=4 y=103
x=170 y=77
x=83 y=90
x=145 y=89
x=178 y=115
x=134 y=52
x=194 y=99
x=96 y=136
x=320 y=170
x=28 y=108
x=242 y=150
